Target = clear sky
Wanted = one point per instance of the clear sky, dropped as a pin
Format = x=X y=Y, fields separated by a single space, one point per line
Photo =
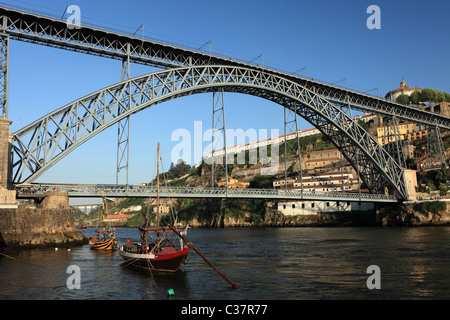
x=330 y=38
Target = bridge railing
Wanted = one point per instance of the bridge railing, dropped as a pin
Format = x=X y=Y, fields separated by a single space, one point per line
x=197 y=192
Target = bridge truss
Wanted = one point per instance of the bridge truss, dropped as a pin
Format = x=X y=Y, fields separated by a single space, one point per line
x=53 y=32
x=47 y=140
x=44 y=142
x=124 y=191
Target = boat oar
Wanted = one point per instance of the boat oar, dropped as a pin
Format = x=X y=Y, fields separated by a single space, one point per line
x=191 y=245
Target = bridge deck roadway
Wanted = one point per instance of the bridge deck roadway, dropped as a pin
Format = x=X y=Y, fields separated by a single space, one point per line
x=117 y=191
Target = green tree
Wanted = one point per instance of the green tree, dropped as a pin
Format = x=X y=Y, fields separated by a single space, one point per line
x=363 y=124
x=429 y=95
x=178 y=170
x=259 y=181
x=434 y=207
x=440 y=97
x=442 y=189
x=447 y=96
x=415 y=97
x=402 y=99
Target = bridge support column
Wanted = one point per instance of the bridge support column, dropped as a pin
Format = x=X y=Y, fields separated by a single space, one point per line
x=7 y=197
x=56 y=200
x=411 y=183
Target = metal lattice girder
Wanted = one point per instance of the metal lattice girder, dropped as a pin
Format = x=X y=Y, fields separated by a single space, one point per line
x=391 y=140
x=4 y=53
x=123 y=133
x=218 y=164
x=123 y=150
x=125 y=191
x=292 y=145
x=435 y=149
x=41 y=144
x=40 y=29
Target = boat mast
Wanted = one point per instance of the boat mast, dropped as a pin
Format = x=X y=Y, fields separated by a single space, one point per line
x=157 y=190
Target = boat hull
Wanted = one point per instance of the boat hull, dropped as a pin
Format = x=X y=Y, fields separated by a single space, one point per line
x=163 y=262
x=107 y=244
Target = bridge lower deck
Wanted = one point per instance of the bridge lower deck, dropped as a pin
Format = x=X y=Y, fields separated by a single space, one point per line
x=122 y=191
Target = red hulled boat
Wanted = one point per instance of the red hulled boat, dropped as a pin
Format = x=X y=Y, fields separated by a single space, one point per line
x=157 y=251
x=161 y=248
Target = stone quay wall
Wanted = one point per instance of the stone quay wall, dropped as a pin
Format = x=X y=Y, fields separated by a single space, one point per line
x=47 y=224
x=38 y=227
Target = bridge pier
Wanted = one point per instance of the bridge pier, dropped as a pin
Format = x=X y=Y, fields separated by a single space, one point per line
x=7 y=197
x=410 y=183
x=56 y=200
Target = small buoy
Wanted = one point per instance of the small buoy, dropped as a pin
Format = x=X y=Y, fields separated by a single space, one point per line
x=170 y=292
x=68 y=250
x=56 y=249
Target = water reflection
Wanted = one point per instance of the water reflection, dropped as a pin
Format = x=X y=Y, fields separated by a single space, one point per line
x=297 y=263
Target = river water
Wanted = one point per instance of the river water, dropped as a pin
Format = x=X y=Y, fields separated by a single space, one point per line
x=271 y=263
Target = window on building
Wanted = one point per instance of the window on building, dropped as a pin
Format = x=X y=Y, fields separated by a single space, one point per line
x=293 y=206
x=303 y=206
x=312 y=205
x=284 y=206
x=328 y=204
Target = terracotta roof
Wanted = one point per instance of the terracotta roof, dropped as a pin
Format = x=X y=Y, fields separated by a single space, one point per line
x=318 y=160
x=328 y=150
x=118 y=216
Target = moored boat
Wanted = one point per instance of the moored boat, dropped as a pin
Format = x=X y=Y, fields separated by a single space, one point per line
x=161 y=248
x=157 y=251
x=104 y=239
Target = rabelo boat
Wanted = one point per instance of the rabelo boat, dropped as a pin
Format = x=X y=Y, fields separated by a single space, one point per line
x=160 y=247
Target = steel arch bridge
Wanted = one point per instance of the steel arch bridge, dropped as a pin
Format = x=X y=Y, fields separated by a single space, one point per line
x=44 y=142
x=41 y=144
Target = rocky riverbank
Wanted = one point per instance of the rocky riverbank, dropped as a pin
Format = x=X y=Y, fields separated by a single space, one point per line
x=38 y=227
x=415 y=214
x=269 y=217
x=406 y=214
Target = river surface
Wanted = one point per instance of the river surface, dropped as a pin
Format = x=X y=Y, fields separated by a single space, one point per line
x=271 y=263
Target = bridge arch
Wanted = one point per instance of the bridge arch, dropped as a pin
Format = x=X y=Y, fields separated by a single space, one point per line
x=44 y=142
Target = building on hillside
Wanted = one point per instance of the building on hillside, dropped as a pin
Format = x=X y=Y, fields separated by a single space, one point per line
x=388 y=133
x=292 y=208
x=324 y=161
x=162 y=209
x=131 y=209
x=320 y=182
x=118 y=218
x=281 y=183
x=234 y=150
x=442 y=108
x=403 y=89
x=232 y=183
x=405 y=130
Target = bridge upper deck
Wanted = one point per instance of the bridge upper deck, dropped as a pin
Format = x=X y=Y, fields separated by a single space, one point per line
x=51 y=31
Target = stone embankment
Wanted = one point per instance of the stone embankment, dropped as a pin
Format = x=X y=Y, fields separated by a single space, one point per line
x=35 y=227
x=407 y=214
x=47 y=224
x=415 y=214
x=274 y=218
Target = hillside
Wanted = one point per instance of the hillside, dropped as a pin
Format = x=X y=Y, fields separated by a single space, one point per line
x=237 y=212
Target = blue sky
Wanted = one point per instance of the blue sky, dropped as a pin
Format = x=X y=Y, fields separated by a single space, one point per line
x=330 y=38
